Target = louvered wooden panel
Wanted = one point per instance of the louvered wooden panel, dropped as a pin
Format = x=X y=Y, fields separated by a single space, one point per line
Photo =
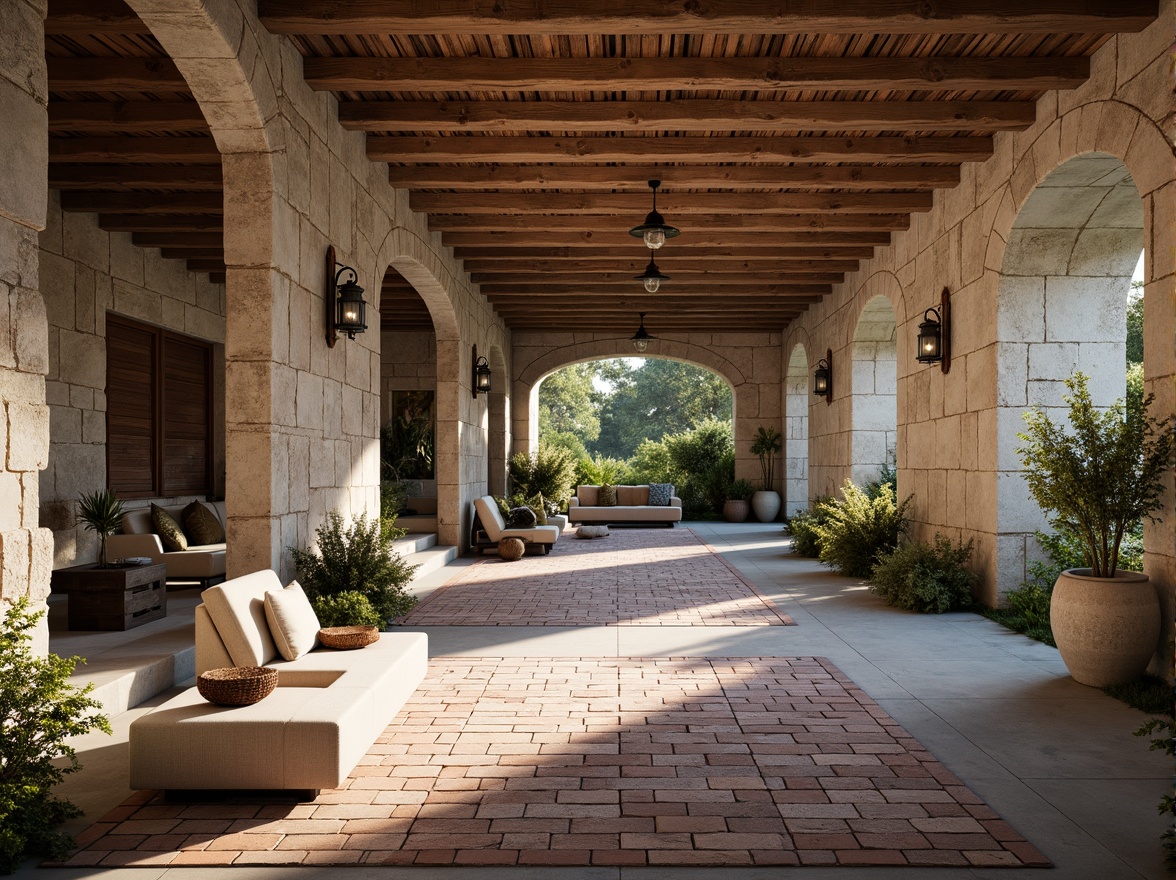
x=186 y=434
x=130 y=409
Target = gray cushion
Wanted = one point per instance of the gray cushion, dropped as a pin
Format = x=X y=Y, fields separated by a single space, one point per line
x=659 y=494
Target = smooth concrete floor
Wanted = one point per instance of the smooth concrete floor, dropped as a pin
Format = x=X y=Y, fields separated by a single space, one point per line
x=1054 y=758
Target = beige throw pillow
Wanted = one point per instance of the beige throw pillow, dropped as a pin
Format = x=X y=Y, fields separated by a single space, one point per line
x=292 y=621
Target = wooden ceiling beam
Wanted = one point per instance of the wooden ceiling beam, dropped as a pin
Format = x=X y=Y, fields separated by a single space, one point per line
x=629 y=289
x=218 y=277
x=153 y=239
x=114 y=75
x=620 y=238
x=143 y=202
x=192 y=178
x=672 y=204
x=558 y=17
x=148 y=116
x=204 y=265
x=635 y=178
x=684 y=115
x=711 y=222
x=681 y=279
x=475 y=74
x=134 y=150
x=161 y=223
x=557 y=256
x=762 y=150
x=685 y=262
x=193 y=253
x=92 y=17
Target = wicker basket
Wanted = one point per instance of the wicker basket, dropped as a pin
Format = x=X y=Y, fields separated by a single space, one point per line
x=237 y=685
x=348 y=638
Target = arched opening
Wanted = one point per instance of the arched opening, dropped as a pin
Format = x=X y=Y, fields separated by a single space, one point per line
x=498 y=414
x=408 y=400
x=796 y=432
x=1064 y=289
x=875 y=391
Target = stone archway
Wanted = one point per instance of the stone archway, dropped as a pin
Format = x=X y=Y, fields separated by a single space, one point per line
x=796 y=431
x=874 y=354
x=1065 y=278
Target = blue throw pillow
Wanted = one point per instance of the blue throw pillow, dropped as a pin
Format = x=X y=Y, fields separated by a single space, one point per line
x=659 y=494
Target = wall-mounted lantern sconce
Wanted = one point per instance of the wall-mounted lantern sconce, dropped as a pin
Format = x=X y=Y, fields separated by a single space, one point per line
x=346 y=310
x=481 y=377
x=823 y=377
x=935 y=334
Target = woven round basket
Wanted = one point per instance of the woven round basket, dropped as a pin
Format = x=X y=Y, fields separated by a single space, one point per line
x=511 y=549
x=348 y=638
x=237 y=685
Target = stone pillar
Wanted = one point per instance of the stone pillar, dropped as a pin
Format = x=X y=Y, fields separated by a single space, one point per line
x=26 y=551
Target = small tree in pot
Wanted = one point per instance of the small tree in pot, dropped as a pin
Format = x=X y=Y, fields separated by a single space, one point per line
x=766 y=502
x=102 y=513
x=1095 y=477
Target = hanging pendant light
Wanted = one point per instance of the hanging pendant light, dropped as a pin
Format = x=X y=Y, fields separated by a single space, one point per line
x=652 y=277
x=641 y=338
x=654 y=231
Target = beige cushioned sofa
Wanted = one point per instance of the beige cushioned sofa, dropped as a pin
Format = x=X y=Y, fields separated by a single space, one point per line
x=202 y=562
x=327 y=710
x=632 y=507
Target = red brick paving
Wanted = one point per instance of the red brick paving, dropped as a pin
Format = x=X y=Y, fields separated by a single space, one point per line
x=679 y=761
x=634 y=577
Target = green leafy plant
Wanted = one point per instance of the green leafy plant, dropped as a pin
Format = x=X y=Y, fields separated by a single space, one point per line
x=858 y=529
x=768 y=442
x=1100 y=475
x=39 y=712
x=928 y=578
x=392 y=499
x=349 y=608
x=550 y=471
x=802 y=526
x=1165 y=742
x=102 y=513
x=740 y=490
x=407 y=440
x=598 y=470
x=887 y=476
x=356 y=558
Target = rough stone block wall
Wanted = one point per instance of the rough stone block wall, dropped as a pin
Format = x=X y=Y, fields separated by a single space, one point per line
x=85 y=273
x=948 y=436
x=408 y=362
x=797 y=393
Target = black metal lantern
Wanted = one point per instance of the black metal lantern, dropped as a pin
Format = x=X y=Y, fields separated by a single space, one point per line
x=652 y=277
x=935 y=334
x=654 y=231
x=641 y=338
x=482 y=375
x=346 y=309
x=823 y=377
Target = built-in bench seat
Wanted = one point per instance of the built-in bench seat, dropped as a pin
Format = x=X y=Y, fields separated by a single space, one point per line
x=632 y=507
x=201 y=562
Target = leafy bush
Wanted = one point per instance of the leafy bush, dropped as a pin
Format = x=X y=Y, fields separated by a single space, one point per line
x=407 y=441
x=928 y=578
x=858 y=529
x=599 y=470
x=702 y=466
x=39 y=712
x=651 y=463
x=803 y=528
x=740 y=490
x=349 y=608
x=550 y=471
x=358 y=558
x=393 y=496
x=887 y=476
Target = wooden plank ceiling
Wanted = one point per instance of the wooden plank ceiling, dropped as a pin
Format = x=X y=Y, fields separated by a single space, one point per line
x=791 y=138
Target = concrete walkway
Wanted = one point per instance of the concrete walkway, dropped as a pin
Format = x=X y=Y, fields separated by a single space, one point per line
x=1055 y=759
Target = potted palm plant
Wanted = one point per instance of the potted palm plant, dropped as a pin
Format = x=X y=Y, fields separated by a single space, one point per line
x=735 y=508
x=1095 y=477
x=766 y=502
x=102 y=513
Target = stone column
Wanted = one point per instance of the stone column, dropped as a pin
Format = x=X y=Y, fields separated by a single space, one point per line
x=26 y=551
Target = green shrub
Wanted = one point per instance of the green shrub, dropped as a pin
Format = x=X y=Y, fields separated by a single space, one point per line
x=595 y=471
x=928 y=578
x=858 y=529
x=393 y=498
x=887 y=476
x=358 y=558
x=651 y=463
x=407 y=440
x=740 y=490
x=803 y=528
x=349 y=608
x=39 y=711
x=550 y=471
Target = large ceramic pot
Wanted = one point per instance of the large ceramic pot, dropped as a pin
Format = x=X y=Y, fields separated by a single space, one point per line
x=735 y=510
x=766 y=504
x=1106 y=628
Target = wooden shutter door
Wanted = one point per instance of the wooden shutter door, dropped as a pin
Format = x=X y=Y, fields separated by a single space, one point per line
x=130 y=409
x=187 y=383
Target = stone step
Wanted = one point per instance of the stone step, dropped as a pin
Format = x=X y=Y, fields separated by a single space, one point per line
x=417 y=524
x=431 y=560
x=414 y=543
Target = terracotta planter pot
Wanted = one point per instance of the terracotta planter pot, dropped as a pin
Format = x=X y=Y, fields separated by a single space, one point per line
x=736 y=511
x=1106 y=628
x=766 y=504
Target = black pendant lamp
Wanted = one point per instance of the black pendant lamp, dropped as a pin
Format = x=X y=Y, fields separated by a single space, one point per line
x=652 y=277
x=641 y=338
x=654 y=231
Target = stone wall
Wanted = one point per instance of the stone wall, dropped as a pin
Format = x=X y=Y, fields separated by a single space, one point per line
x=86 y=272
x=749 y=362
x=797 y=392
x=26 y=549
x=948 y=437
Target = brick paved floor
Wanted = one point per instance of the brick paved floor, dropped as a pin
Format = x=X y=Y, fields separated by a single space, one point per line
x=634 y=577
x=678 y=761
